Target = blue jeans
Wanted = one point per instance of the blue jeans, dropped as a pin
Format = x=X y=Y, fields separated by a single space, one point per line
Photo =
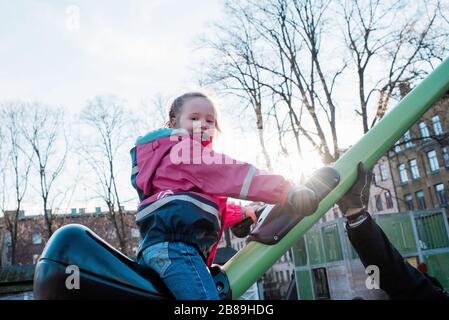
x=182 y=269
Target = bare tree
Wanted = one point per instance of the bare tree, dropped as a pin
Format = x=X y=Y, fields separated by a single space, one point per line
x=44 y=132
x=293 y=30
x=288 y=33
x=276 y=47
x=399 y=40
x=18 y=164
x=107 y=120
x=235 y=69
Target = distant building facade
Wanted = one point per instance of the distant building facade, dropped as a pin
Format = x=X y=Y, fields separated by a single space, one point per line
x=32 y=234
x=420 y=161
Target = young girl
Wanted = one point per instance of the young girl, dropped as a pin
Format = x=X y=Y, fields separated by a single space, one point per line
x=182 y=185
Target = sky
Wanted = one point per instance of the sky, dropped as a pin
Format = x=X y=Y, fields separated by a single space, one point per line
x=64 y=53
x=67 y=52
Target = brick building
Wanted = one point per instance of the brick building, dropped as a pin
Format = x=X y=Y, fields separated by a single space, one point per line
x=420 y=161
x=32 y=235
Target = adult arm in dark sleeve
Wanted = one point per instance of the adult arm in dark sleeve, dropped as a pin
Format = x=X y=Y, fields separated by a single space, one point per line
x=397 y=278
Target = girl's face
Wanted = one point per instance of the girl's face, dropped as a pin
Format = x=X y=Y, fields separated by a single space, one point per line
x=197 y=116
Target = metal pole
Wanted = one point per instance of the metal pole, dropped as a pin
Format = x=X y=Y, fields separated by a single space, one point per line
x=250 y=263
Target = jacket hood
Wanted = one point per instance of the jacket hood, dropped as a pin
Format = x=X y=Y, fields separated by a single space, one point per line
x=166 y=132
x=159 y=133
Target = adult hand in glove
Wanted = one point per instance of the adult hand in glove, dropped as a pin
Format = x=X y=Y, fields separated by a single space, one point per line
x=356 y=198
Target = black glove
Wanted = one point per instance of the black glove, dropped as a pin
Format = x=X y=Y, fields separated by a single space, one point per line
x=356 y=199
x=243 y=228
x=303 y=200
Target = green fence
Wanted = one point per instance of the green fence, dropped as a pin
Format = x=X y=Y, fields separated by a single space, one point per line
x=438 y=265
x=431 y=231
x=424 y=235
x=399 y=229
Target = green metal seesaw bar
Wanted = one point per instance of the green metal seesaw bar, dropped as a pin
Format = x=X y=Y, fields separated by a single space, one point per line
x=250 y=263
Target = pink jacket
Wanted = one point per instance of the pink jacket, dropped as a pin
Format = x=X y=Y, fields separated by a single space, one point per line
x=170 y=164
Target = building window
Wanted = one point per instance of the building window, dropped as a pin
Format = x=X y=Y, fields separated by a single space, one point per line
x=424 y=130
x=320 y=284
x=445 y=155
x=409 y=202
x=374 y=177
x=379 y=206
x=420 y=200
x=383 y=172
x=436 y=123
x=433 y=161
x=37 y=238
x=403 y=173
x=408 y=140
x=397 y=146
x=388 y=199
x=441 y=194
x=135 y=233
x=414 y=169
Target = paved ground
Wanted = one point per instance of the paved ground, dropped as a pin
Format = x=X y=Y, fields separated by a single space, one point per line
x=20 y=296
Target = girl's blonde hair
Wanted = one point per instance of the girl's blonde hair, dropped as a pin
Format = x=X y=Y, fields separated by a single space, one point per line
x=175 y=107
